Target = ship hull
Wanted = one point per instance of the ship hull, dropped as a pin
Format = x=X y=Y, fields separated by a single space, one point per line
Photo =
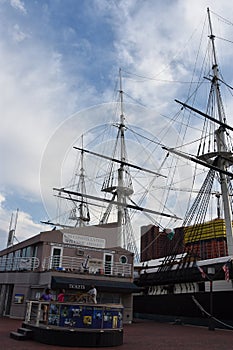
x=181 y=308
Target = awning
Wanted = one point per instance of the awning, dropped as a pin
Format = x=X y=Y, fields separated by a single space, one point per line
x=102 y=285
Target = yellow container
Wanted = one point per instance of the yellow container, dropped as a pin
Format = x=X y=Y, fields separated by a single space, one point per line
x=208 y=230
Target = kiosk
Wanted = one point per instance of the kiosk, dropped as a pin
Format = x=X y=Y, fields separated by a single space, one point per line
x=75 y=324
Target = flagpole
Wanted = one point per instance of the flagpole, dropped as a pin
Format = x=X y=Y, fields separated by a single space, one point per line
x=210 y=275
x=211 y=323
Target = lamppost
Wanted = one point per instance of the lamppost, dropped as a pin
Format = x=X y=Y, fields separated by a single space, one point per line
x=211 y=272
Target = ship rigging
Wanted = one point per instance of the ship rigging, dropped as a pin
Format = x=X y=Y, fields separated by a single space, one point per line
x=215 y=154
x=117 y=187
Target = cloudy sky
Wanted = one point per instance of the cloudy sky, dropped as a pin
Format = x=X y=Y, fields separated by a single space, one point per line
x=59 y=62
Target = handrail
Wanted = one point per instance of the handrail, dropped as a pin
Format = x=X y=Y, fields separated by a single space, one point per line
x=19 y=263
x=66 y=263
x=75 y=264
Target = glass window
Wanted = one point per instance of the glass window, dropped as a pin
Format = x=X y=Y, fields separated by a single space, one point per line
x=24 y=252
x=3 y=263
x=16 y=260
x=108 y=298
x=123 y=259
x=56 y=257
x=9 y=262
x=108 y=264
x=35 y=251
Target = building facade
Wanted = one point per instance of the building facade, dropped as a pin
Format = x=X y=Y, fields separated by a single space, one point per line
x=208 y=240
x=71 y=259
x=157 y=244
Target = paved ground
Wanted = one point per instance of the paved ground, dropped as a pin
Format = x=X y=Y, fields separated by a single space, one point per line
x=141 y=335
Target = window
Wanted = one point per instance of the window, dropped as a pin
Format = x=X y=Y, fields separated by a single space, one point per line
x=56 y=257
x=3 y=263
x=35 y=251
x=16 y=262
x=109 y=298
x=123 y=259
x=26 y=252
x=108 y=262
x=9 y=261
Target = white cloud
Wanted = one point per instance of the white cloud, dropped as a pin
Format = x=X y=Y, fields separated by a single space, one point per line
x=40 y=87
x=25 y=225
x=35 y=96
x=18 y=5
x=2 y=199
x=18 y=35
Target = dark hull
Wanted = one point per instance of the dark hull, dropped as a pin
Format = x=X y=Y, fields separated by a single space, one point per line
x=174 y=307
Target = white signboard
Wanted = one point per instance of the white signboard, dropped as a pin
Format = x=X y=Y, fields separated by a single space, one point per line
x=86 y=241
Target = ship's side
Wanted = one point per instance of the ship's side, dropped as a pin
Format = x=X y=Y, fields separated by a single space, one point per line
x=193 y=295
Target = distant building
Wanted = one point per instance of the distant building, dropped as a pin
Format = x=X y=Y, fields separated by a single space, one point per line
x=157 y=244
x=207 y=240
x=72 y=259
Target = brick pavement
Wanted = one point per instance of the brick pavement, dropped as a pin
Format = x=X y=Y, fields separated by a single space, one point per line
x=141 y=335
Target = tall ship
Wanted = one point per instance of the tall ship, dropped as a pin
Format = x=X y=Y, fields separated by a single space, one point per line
x=193 y=281
x=180 y=181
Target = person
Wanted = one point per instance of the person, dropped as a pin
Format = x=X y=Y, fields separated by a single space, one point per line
x=93 y=294
x=61 y=296
x=46 y=296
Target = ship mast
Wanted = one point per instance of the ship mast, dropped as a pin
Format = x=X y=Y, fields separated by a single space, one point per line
x=122 y=188
x=83 y=216
x=217 y=160
x=223 y=163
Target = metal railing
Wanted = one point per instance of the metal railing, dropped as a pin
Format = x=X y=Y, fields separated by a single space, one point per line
x=34 y=312
x=79 y=265
x=19 y=264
